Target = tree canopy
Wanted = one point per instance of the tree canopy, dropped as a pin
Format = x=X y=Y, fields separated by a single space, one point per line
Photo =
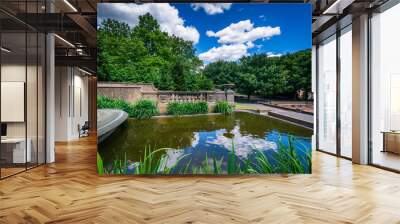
x=146 y=54
x=265 y=76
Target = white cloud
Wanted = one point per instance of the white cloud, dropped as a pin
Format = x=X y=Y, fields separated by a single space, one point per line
x=212 y=8
x=244 y=31
x=271 y=54
x=231 y=52
x=249 y=44
x=236 y=40
x=244 y=144
x=166 y=15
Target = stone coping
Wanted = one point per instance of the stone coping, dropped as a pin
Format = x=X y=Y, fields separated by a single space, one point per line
x=108 y=120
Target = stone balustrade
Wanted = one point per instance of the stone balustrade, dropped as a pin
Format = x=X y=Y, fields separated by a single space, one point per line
x=184 y=96
x=134 y=92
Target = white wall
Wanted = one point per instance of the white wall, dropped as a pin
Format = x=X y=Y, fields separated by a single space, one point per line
x=71 y=87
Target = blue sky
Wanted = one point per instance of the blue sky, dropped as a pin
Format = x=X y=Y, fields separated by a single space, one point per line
x=245 y=29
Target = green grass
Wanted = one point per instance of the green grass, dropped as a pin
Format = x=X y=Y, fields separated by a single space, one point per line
x=223 y=107
x=285 y=160
x=187 y=108
x=142 y=109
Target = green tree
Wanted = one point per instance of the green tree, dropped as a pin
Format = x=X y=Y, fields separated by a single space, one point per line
x=146 y=54
x=248 y=84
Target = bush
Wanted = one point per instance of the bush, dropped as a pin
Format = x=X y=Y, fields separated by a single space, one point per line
x=110 y=103
x=177 y=108
x=223 y=107
x=144 y=109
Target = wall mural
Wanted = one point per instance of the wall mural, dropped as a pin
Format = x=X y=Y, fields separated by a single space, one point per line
x=199 y=88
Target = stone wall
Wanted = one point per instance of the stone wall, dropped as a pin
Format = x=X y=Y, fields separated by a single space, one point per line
x=128 y=92
x=133 y=92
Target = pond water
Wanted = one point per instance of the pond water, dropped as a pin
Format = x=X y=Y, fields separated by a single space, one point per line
x=193 y=140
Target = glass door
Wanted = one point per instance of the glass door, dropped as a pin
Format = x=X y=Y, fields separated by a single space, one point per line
x=346 y=92
x=22 y=101
x=14 y=145
x=385 y=89
x=327 y=95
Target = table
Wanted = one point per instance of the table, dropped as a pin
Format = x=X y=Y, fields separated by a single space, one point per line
x=13 y=150
x=391 y=141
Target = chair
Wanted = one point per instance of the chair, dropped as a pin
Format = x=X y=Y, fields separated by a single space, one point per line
x=84 y=130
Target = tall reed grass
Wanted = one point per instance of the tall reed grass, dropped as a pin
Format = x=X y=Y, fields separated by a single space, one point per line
x=223 y=107
x=285 y=160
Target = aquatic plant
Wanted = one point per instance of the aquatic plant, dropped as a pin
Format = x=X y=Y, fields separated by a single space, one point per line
x=209 y=166
x=100 y=167
x=223 y=107
x=186 y=108
x=288 y=160
x=284 y=160
x=148 y=164
x=144 y=109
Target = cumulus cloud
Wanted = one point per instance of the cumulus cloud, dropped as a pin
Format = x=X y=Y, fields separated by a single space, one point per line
x=271 y=54
x=212 y=8
x=166 y=15
x=244 y=31
x=244 y=144
x=225 y=53
x=236 y=39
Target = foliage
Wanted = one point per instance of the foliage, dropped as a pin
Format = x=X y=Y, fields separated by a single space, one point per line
x=104 y=102
x=148 y=164
x=146 y=54
x=288 y=161
x=183 y=108
x=284 y=160
x=151 y=165
x=144 y=109
x=265 y=76
x=223 y=107
x=100 y=167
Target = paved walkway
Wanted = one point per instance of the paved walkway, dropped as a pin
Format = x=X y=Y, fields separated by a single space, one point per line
x=287 y=113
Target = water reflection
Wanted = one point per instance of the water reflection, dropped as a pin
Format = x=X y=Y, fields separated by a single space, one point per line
x=201 y=137
x=244 y=143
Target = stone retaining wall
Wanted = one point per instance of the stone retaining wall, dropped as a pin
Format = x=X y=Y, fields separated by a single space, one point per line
x=133 y=92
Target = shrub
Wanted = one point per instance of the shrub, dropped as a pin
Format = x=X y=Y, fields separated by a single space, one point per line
x=223 y=107
x=144 y=109
x=118 y=103
x=178 y=108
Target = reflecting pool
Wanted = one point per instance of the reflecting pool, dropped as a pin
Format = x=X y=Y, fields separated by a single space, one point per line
x=209 y=144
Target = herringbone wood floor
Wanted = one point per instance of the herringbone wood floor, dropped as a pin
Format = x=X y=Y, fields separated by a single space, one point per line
x=70 y=191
